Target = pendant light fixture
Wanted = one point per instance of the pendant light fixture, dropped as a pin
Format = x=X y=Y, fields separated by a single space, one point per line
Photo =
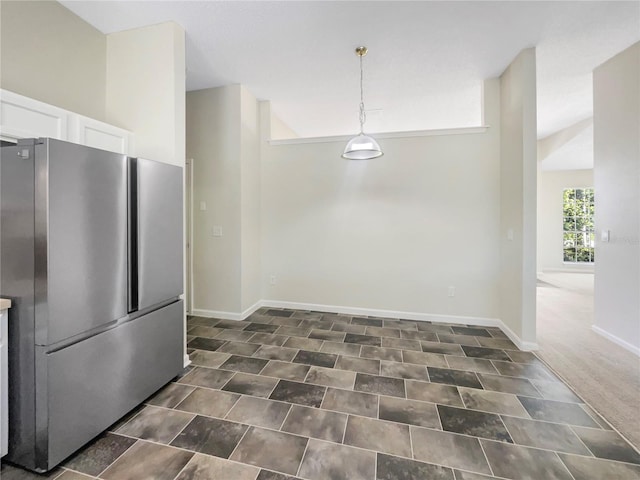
x=362 y=147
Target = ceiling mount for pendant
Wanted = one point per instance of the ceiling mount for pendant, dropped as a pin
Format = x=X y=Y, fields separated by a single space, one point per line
x=362 y=147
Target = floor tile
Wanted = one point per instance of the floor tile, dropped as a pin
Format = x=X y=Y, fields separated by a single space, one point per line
x=330 y=461
x=204 y=358
x=404 y=370
x=556 y=391
x=427 y=358
x=148 y=461
x=381 y=353
x=559 y=412
x=369 y=322
x=383 y=332
x=101 y=453
x=433 y=392
x=396 y=468
x=170 y=395
x=402 y=343
x=530 y=371
x=260 y=318
x=307 y=315
x=411 y=412
x=261 y=327
x=378 y=435
x=597 y=417
x=363 y=365
x=319 y=359
x=279 y=313
x=202 y=331
x=448 y=449
x=454 y=377
x=9 y=472
x=348 y=328
x=309 y=344
x=211 y=436
x=259 y=412
x=350 y=349
x=315 y=423
x=301 y=393
x=293 y=331
x=204 y=467
x=329 y=335
x=584 y=468
x=501 y=343
x=231 y=324
x=269 y=475
x=156 y=424
x=442 y=348
x=473 y=422
x=498 y=383
x=208 y=322
x=288 y=371
x=239 y=348
x=495 y=402
x=476 y=332
x=401 y=324
x=336 y=318
x=248 y=384
x=380 y=385
x=357 y=403
x=331 y=377
x=479 y=365
x=244 y=364
x=69 y=475
x=425 y=336
x=514 y=461
x=268 y=339
x=265 y=448
x=286 y=321
x=235 y=335
x=212 y=403
x=201 y=343
x=434 y=328
x=607 y=445
x=550 y=436
x=362 y=339
x=459 y=339
x=461 y=475
x=488 y=353
x=522 y=357
x=273 y=352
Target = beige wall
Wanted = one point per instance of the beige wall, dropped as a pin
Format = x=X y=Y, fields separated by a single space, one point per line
x=617 y=184
x=391 y=233
x=49 y=54
x=549 y=244
x=146 y=89
x=518 y=170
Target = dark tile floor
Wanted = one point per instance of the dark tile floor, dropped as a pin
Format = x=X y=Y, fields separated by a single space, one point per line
x=291 y=395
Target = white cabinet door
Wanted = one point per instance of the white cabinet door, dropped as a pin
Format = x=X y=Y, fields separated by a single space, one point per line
x=90 y=132
x=23 y=117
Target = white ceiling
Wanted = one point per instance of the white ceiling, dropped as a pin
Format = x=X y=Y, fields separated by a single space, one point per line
x=426 y=60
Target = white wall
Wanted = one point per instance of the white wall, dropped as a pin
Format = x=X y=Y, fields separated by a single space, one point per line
x=617 y=184
x=146 y=89
x=391 y=233
x=213 y=141
x=49 y=54
x=518 y=170
x=550 y=231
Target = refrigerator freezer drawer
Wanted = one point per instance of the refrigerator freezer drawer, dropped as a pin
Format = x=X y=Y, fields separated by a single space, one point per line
x=93 y=383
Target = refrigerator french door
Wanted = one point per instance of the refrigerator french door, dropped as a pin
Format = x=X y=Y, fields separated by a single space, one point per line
x=91 y=255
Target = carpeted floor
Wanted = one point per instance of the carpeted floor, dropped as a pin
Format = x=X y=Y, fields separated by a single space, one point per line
x=605 y=375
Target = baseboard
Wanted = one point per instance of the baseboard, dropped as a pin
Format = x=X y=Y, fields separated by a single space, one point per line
x=187 y=361
x=197 y=312
x=521 y=344
x=616 y=340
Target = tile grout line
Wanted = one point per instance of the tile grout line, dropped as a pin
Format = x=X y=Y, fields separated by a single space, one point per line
x=486 y=458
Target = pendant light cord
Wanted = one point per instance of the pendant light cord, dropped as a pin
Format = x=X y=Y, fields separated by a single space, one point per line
x=363 y=116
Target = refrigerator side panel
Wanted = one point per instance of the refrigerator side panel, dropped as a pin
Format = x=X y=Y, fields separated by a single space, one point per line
x=160 y=232
x=86 y=215
x=95 y=382
x=17 y=283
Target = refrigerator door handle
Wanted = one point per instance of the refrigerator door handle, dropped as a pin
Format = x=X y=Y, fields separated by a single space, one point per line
x=132 y=237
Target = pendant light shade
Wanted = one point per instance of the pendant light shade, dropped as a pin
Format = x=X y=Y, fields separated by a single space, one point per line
x=362 y=147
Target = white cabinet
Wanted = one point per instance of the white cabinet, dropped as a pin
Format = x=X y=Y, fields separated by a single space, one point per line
x=23 y=117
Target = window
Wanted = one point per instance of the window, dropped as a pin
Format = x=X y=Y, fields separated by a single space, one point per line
x=578 y=207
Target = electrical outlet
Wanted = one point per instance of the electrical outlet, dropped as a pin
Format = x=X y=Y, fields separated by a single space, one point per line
x=272 y=280
x=452 y=292
x=217 y=231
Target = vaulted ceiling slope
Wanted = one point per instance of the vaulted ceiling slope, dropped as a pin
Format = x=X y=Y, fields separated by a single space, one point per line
x=426 y=61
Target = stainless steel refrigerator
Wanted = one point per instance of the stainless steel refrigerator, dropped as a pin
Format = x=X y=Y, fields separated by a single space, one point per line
x=92 y=257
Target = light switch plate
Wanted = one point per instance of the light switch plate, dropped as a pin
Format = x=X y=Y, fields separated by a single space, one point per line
x=604 y=236
x=217 y=231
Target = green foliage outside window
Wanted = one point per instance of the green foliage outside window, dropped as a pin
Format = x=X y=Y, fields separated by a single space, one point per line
x=579 y=240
